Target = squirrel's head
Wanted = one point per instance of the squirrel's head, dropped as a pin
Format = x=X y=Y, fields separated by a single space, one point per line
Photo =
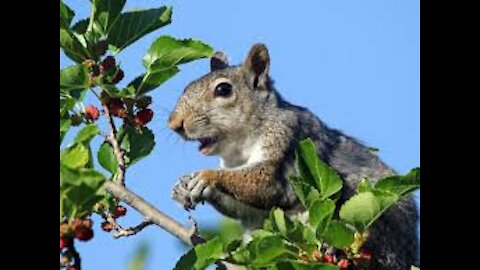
x=226 y=105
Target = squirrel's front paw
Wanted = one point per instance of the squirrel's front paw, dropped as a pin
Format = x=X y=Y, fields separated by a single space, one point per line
x=191 y=189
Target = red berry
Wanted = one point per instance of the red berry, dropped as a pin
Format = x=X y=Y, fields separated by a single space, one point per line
x=328 y=258
x=365 y=254
x=117 y=108
x=63 y=243
x=83 y=233
x=107 y=226
x=107 y=64
x=120 y=211
x=118 y=76
x=343 y=264
x=144 y=116
x=71 y=267
x=91 y=113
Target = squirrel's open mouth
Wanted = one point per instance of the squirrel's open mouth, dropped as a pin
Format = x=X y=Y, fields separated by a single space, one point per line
x=206 y=145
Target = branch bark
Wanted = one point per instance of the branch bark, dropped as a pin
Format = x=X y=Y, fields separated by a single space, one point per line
x=152 y=214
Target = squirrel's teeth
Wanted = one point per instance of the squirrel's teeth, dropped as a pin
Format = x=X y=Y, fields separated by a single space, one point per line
x=205 y=142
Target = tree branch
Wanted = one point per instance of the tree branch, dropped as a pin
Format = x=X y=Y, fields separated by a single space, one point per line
x=132 y=230
x=112 y=139
x=152 y=214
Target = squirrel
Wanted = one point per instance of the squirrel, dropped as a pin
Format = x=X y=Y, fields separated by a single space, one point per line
x=236 y=113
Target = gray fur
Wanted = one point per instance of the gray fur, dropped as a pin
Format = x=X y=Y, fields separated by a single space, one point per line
x=256 y=112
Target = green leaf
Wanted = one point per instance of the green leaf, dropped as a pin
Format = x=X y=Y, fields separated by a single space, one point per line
x=105 y=13
x=64 y=127
x=81 y=26
x=76 y=177
x=107 y=159
x=131 y=26
x=267 y=249
x=74 y=77
x=242 y=255
x=82 y=198
x=320 y=213
x=278 y=217
x=140 y=257
x=326 y=179
x=414 y=268
x=296 y=265
x=167 y=52
x=305 y=192
x=364 y=186
x=339 y=234
x=66 y=15
x=137 y=143
x=151 y=80
x=360 y=209
x=400 y=185
x=80 y=190
x=72 y=47
x=201 y=256
x=74 y=157
x=87 y=133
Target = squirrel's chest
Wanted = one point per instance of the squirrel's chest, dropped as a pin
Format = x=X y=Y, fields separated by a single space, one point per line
x=243 y=155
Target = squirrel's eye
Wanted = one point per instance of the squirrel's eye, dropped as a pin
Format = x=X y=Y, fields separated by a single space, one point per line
x=223 y=90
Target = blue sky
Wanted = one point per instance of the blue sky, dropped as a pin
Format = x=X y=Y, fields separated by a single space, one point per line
x=355 y=64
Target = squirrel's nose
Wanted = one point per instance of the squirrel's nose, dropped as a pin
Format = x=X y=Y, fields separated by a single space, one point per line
x=175 y=123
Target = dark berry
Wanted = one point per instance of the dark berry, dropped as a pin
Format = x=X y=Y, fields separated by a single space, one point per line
x=117 y=108
x=142 y=117
x=94 y=72
x=83 y=233
x=91 y=113
x=107 y=64
x=118 y=76
x=107 y=226
x=120 y=211
x=143 y=102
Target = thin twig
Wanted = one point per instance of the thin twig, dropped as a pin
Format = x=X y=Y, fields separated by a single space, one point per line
x=119 y=153
x=152 y=214
x=76 y=256
x=132 y=230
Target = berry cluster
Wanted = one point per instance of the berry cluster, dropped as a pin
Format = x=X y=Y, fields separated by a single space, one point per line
x=337 y=257
x=133 y=112
x=105 y=72
x=116 y=212
x=80 y=229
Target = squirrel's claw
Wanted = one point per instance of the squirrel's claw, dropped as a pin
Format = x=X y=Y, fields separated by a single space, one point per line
x=190 y=190
x=182 y=195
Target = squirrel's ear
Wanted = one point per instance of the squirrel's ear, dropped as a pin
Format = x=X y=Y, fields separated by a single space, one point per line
x=218 y=61
x=256 y=66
